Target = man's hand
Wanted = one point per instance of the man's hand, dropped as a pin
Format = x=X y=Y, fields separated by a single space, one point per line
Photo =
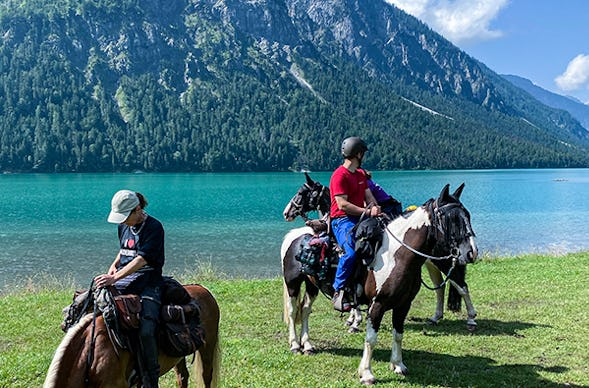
x=375 y=211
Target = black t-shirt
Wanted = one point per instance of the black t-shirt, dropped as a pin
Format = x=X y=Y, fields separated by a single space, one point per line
x=146 y=240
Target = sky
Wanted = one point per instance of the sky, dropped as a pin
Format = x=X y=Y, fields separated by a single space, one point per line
x=545 y=41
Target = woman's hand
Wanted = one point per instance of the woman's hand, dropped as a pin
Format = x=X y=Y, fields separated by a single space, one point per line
x=104 y=280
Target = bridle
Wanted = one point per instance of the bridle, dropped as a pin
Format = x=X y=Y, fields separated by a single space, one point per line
x=315 y=203
x=438 y=213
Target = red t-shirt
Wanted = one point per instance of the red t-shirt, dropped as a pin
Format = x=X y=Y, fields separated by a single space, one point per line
x=344 y=182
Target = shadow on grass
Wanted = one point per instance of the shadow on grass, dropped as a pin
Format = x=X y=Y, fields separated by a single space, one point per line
x=426 y=369
x=490 y=327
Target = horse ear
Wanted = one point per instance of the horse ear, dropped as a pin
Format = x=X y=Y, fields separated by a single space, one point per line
x=458 y=191
x=444 y=193
x=309 y=180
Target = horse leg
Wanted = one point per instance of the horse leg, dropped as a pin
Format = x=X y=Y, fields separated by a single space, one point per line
x=181 y=373
x=397 y=364
x=436 y=276
x=471 y=324
x=354 y=320
x=373 y=321
x=306 y=311
x=291 y=309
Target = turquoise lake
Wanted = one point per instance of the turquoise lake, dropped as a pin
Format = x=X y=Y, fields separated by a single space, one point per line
x=56 y=223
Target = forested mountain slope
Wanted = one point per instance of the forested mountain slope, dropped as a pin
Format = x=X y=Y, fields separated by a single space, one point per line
x=575 y=107
x=236 y=85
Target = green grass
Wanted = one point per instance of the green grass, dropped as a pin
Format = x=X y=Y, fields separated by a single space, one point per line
x=532 y=315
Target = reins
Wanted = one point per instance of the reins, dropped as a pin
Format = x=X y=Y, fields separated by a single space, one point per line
x=90 y=358
x=454 y=252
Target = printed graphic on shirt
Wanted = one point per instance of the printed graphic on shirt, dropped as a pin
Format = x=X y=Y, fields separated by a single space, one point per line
x=128 y=250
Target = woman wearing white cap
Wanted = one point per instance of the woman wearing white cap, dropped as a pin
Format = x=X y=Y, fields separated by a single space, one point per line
x=137 y=269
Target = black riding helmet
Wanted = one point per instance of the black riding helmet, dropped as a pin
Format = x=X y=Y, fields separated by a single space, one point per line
x=351 y=146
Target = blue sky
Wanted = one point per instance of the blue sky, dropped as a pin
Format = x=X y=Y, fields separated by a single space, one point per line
x=545 y=41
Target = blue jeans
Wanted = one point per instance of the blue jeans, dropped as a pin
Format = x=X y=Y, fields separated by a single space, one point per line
x=342 y=230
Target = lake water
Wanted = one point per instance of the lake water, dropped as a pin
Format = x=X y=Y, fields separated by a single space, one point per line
x=56 y=223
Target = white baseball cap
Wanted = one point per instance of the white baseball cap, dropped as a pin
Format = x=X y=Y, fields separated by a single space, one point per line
x=122 y=204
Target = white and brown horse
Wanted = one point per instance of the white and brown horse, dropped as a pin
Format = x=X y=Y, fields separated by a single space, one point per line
x=313 y=196
x=438 y=230
x=113 y=367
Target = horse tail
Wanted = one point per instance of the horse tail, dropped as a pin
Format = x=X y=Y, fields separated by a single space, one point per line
x=458 y=278
x=198 y=370
x=207 y=359
x=298 y=306
x=454 y=300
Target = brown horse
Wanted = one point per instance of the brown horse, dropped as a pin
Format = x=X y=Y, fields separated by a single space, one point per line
x=112 y=367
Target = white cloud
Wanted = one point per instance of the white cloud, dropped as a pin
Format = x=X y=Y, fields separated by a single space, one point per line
x=459 y=21
x=576 y=75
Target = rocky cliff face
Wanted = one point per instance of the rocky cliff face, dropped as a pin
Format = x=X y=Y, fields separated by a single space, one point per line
x=168 y=37
x=256 y=84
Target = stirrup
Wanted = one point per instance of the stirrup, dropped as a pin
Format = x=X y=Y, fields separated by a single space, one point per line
x=339 y=303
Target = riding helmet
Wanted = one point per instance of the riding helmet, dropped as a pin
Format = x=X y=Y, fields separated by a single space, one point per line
x=351 y=146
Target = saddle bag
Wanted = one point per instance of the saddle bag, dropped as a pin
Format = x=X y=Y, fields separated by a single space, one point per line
x=129 y=310
x=314 y=255
x=368 y=239
x=181 y=331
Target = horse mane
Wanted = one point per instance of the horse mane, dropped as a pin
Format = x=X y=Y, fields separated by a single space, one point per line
x=413 y=220
x=71 y=334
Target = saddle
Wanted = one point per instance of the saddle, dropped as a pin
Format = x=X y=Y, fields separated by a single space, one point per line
x=319 y=254
x=181 y=332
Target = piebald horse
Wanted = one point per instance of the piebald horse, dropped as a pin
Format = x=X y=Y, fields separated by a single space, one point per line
x=113 y=368
x=313 y=196
x=440 y=229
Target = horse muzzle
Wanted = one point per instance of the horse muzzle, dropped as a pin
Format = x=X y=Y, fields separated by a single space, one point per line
x=473 y=253
x=288 y=214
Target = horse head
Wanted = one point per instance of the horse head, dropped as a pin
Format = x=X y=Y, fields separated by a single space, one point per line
x=453 y=229
x=311 y=196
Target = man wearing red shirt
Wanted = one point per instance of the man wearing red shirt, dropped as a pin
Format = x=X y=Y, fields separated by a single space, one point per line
x=350 y=198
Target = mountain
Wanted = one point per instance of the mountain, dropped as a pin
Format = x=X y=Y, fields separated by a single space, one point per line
x=256 y=85
x=575 y=107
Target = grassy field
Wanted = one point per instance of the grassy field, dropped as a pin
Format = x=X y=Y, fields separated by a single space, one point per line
x=533 y=331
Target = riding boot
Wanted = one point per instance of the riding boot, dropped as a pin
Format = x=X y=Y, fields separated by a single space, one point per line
x=148 y=338
x=149 y=362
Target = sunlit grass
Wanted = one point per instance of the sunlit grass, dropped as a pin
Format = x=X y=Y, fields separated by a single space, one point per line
x=532 y=331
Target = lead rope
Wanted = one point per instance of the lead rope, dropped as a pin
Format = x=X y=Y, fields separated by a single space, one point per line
x=443 y=284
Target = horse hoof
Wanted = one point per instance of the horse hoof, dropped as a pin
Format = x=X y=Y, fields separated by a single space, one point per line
x=400 y=369
x=431 y=322
x=368 y=380
x=471 y=328
x=295 y=350
x=309 y=352
x=353 y=330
